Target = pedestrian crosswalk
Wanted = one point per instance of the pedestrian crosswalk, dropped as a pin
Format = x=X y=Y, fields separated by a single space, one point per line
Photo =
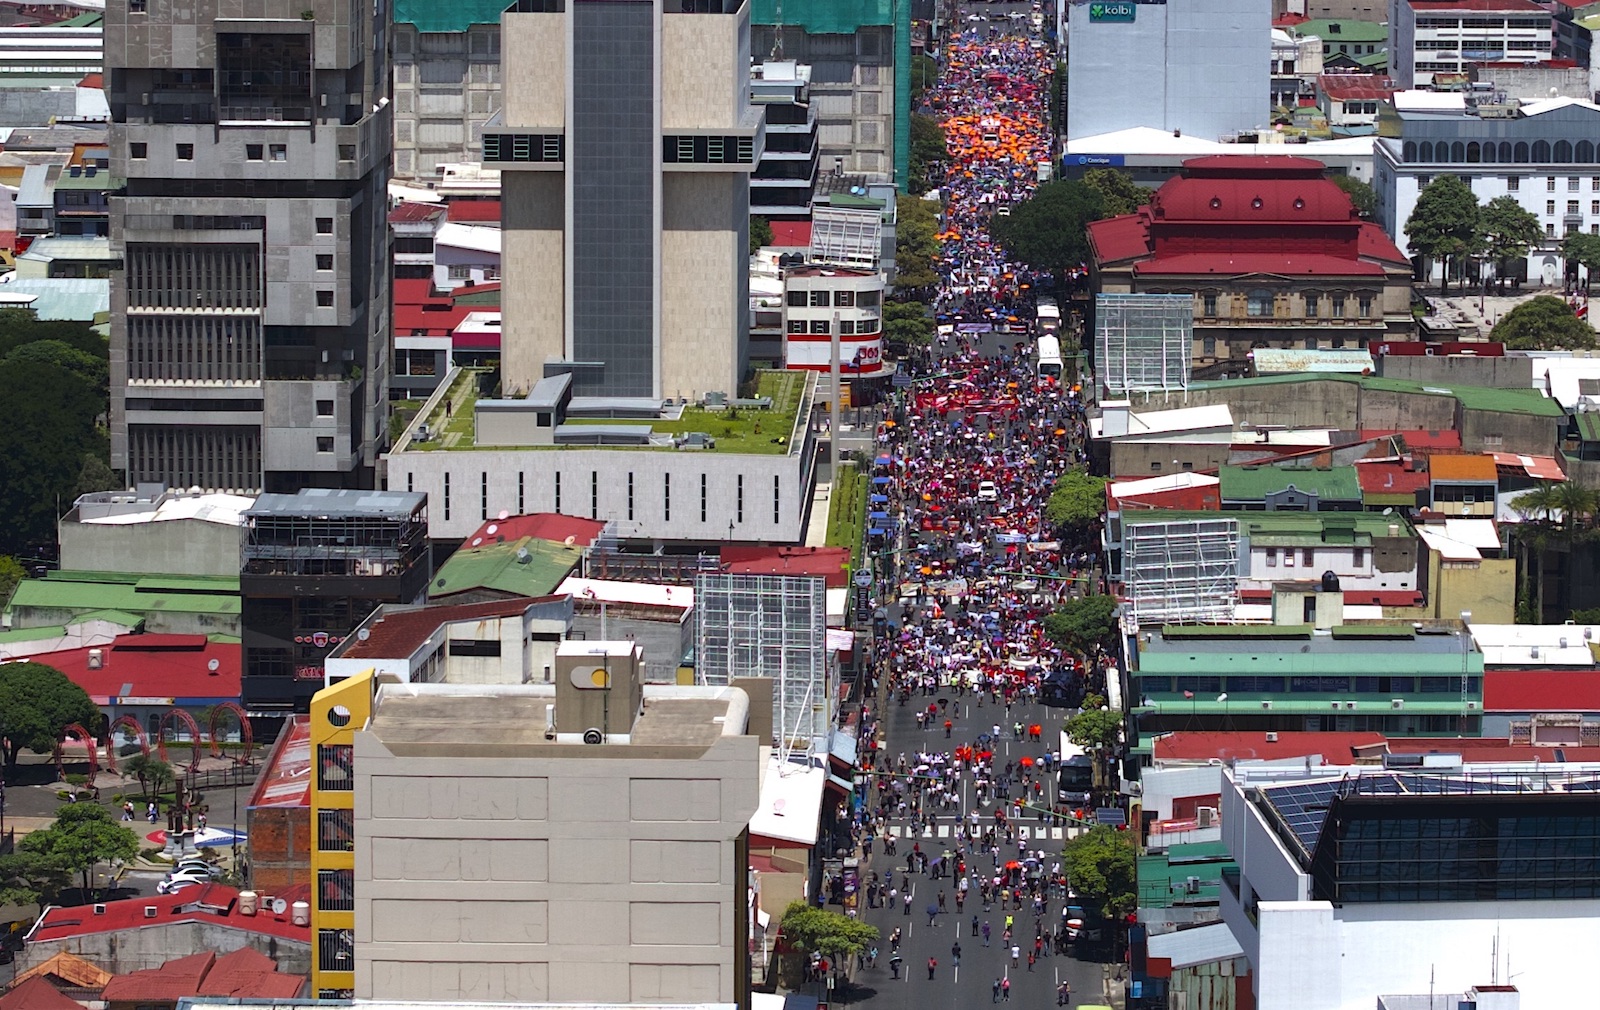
x=1037 y=834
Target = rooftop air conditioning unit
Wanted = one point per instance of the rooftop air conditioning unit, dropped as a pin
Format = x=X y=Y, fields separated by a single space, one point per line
x=1266 y=704
x=1206 y=817
x=1271 y=737
x=1397 y=703
x=150 y=912
x=1472 y=706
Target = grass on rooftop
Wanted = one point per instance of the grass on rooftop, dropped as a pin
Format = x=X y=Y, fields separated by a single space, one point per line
x=847 y=511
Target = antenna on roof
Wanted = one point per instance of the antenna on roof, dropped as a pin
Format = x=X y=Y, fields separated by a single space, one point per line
x=777 y=32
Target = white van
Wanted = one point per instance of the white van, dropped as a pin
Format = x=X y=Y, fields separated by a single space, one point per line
x=1047 y=352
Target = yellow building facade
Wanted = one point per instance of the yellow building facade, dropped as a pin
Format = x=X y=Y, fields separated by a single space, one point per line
x=336 y=713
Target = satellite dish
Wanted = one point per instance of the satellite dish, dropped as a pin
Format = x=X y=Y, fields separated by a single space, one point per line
x=364 y=634
x=492 y=528
x=777 y=807
x=213 y=665
x=504 y=515
x=279 y=906
x=570 y=541
x=476 y=541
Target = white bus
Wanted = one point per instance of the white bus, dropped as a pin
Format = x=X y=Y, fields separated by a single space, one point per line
x=1048 y=315
x=1048 y=352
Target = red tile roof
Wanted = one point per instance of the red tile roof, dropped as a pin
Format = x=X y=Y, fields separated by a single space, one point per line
x=1417 y=438
x=474 y=211
x=212 y=904
x=1541 y=691
x=831 y=563
x=416 y=213
x=1481 y=749
x=241 y=974
x=1335 y=748
x=1357 y=87
x=416 y=291
x=791 y=234
x=552 y=526
x=1387 y=476
x=169 y=983
x=37 y=994
x=154 y=666
x=1516 y=6
x=286 y=780
x=1240 y=263
x=398 y=633
x=431 y=320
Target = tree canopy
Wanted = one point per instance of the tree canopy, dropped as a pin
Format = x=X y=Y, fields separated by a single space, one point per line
x=1360 y=194
x=907 y=324
x=1119 y=194
x=1077 y=501
x=914 y=244
x=82 y=837
x=1581 y=249
x=1100 y=867
x=11 y=573
x=1083 y=622
x=1047 y=231
x=760 y=233
x=928 y=153
x=27 y=878
x=1444 y=226
x=1094 y=728
x=1543 y=323
x=1509 y=231
x=808 y=928
x=152 y=773
x=37 y=702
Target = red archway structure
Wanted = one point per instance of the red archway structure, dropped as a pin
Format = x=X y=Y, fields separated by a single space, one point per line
x=193 y=727
x=75 y=730
x=124 y=721
x=245 y=736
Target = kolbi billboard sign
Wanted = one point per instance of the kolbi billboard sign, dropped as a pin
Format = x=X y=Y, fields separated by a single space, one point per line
x=1112 y=11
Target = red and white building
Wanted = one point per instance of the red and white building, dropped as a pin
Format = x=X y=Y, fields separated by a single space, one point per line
x=814 y=297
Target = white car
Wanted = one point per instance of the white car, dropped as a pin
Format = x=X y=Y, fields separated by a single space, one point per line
x=179 y=879
x=987 y=491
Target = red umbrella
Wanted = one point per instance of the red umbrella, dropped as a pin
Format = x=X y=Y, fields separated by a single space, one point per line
x=1027 y=762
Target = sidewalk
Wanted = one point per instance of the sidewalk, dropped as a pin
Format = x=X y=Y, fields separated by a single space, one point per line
x=817 y=528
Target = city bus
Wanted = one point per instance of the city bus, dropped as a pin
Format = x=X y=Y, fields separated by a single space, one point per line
x=1047 y=315
x=1048 y=352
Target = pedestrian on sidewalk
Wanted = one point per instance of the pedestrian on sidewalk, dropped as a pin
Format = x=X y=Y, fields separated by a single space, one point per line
x=986 y=933
x=1031 y=958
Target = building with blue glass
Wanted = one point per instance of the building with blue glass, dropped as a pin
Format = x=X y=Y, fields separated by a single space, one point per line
x=626 y=143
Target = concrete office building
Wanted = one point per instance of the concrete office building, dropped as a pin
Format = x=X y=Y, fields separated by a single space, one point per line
x=1428 y=37
x=249 y=333
x=446 y=82
x=626 y=146
x=593 y=850
x=1202 y=69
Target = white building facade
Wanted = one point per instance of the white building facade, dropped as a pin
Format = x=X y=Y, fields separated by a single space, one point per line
x=1428 y=37
x=814 y=298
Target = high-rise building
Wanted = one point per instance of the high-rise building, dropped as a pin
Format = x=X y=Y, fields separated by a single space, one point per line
x=446 y=82
x=249 y=328
x=1203 y=68
x=626 y=144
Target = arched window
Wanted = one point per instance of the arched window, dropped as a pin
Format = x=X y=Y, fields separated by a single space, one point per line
x=1259 y=304
x=1458 y=152
x=1563 y=152
x=1313 y=301
x=1583 y=153
x=1541 y=152
x=1520 y=152
x=1427 y=150
x=1474 y=153
x=1408 y=153
x=1505 y=152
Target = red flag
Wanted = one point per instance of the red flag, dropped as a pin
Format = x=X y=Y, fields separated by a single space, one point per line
x=1189 y=695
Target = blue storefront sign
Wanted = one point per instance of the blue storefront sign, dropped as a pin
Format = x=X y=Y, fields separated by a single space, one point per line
x=1112 y=11
x=1092 y=160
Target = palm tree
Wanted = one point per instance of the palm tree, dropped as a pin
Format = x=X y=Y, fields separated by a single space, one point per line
x=1577 y=505
x=152 y=773
x=1540 y=503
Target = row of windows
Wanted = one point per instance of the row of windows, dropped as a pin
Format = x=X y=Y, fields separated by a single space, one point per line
x=841 y=299
x=1308 y=555
x=1383 y=686
x=1514 y=24
x=1521 y=152
x=680 y=150
x=594 y=495
x=847 y=327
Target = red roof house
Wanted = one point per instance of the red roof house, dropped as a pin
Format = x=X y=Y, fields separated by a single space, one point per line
x=37 y=994
x=551 y=526
x=241 y=974
x=475 y=211
x=153 y=666
x=831 y=563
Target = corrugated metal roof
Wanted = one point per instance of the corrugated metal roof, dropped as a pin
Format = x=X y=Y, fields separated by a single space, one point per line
x=80 y=299
x=1189 y=947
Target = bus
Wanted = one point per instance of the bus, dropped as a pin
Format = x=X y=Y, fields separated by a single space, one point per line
x=1075 y=780
x=1048 y=352
x=1048 y=315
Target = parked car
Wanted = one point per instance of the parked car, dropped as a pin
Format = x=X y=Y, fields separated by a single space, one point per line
x=183 y=878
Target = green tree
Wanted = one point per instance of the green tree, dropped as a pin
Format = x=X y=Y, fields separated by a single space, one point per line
x=1444 y=225
x=929 y=151
x=27 y=878
x=1577 y=504
x=1538 y=503
x=82 y=837
x=152 y=772
x=924 y=74
x=1094 y=728
x=1100 y=863
x=20 y=326
x=1541 y=324
x=1509 y=232
x=37 y=702
x=760 y=233
x=11 y=573
x=1119 y=194
x=96 y=475
x=915 y=246
x=1047 y=231
x=1581 y=249
x=906 y=325
x=1083 y=622
x=1078 y=500
x=1360 y=194
x=808 y=928
x=51 y=424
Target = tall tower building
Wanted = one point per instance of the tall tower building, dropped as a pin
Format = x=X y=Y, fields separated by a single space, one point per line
x=249 y=335
x=626 y=143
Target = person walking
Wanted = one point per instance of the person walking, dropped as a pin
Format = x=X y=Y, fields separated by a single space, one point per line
x=955 y=954
x=1064 y=994
x=1016 y=955
x=996 y=995
x=933 y=965
x=1005 y=990
x=986 y=933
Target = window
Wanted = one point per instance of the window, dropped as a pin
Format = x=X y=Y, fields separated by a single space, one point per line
x=324 y=443
x=347 y=152
x=1549 y=206
x=278 y=152
x=336 y=890
x=1208 y=304
x=1594 y=206
x=702 y=497
x=739 y=500
x=630 y=493
x=324 y=261
x=1155 y=466
x=1549 y=231
x=797 y=326
x=1337 y=301
x=521 y=497
x=483 y=494
x=819 y=326
x=1572 y=183
x=666 y=497
x=1208 y=347
x=819 y=299
x=796 y=299
x=1513 y=183
x=844 y=299
x=1550 y=184
x=325 y=298
x=447 y=494
x=1259 y=303
x=1358 y=557
x=460 y=272
x=185 y=152
x=324 y=408
x=324 y=226
x=1572 y=206
x=1364 y=306
x=1308 y=557
x=336 y=830
x=1594 y=184
x=543 y=419
x=335 y=767
x=336 y=949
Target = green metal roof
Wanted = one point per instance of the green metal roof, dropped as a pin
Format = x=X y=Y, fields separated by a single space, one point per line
x=450 y=15
x=1198 y=852
x=1177 y=631
x=496 y=567
x=1271 y=529
x=1373 y=60
x=1589 y=426
x=88 y=19
x=1254 y=483
x=133 y=595
x=825 y=17
x=1163 y=882
x=32 y=634
x=1506 y=401
x=101 y=180
x=1342 y=30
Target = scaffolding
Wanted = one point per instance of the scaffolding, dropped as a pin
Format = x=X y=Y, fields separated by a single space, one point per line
x=846 y=237
x=1181 y=571
x=776 y=627
x=1143 y=342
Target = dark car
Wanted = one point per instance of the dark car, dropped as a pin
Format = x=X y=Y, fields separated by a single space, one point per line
x=1061 y=689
